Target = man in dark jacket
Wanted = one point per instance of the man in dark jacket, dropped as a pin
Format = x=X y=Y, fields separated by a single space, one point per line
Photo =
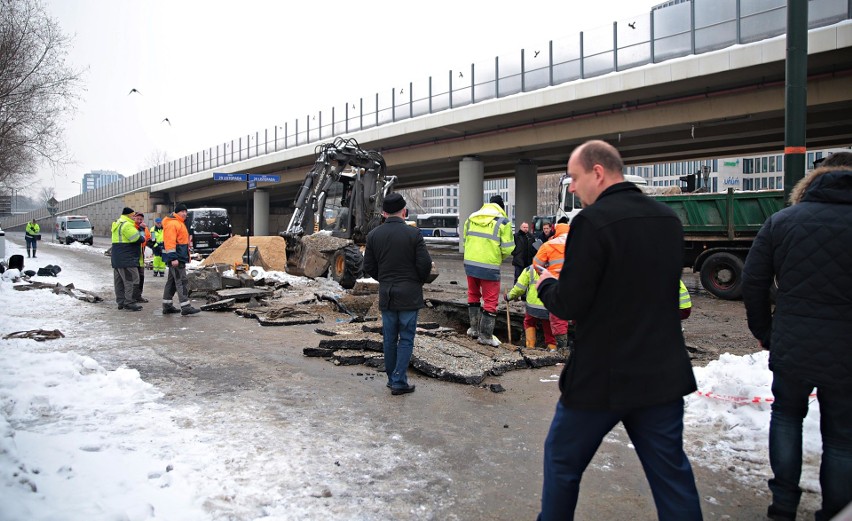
x=547 y=232
x=523 y=253
x=629 y=362
x=396 y=256
x=805 y=248
x=124 y=256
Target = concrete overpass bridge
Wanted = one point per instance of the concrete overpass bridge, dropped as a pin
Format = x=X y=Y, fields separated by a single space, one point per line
x=699 y=79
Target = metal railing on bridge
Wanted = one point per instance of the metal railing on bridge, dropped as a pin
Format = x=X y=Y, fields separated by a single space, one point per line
x=670 y=30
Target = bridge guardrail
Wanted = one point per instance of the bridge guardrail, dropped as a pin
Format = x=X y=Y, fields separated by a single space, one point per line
x=671 y=30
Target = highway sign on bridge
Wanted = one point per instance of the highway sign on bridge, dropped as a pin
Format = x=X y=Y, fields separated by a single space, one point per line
x=256 y=178
x=218 y=176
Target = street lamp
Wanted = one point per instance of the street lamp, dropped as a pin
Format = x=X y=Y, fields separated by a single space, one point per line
x=81 y=186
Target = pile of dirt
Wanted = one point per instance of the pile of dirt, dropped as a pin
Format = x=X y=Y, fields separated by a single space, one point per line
x=271 y=249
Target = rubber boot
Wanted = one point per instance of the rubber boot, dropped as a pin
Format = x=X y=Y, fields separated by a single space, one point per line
x=473 y=313
x=561 y=342
x=530 y=332
x=551 y=347
x=486 y=330
x=28 y=253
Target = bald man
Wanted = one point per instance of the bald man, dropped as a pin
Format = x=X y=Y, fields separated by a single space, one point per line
x=629 y=363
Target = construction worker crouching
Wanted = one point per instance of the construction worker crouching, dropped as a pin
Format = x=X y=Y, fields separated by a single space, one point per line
x=551 y=256
x=535 y=312
x=488 y=240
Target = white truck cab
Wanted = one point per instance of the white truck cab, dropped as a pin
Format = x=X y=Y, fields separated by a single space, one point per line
x=71 y=228
x=570 y=205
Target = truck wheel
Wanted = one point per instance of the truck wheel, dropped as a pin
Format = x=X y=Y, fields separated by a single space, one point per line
x=722 y=275
x=346 y=266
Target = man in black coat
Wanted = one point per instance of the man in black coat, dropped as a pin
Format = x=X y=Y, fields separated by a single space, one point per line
x=806 y=249
x=629 y=363
x=524 y=252
x=396 y=256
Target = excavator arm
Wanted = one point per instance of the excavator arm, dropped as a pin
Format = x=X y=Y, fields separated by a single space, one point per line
x=362 y=175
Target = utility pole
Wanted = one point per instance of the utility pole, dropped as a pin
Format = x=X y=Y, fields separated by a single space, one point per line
x=796 y=94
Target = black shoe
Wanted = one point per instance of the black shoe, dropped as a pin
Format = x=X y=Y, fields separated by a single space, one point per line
x=776 y=514
x=402 y=390
x=188 y=310
x=168 y=309
x=142 y=299
x=121 y=306
x=133 y=307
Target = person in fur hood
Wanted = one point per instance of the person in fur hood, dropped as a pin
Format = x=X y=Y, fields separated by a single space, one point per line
x=807 y=249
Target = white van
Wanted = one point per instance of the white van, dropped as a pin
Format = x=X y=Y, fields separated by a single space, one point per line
x=70 y=228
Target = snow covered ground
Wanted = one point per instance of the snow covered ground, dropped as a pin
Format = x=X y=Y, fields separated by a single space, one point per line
x=79 y=442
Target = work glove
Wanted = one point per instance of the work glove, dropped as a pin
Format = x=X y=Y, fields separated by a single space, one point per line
x=506 y=297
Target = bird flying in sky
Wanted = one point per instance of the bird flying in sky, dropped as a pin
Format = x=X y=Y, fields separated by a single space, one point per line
x=536 y=54
x=632 y=26
x=134 y=91
x=166 y=120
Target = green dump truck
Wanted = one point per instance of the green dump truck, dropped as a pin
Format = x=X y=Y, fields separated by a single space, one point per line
x=718 y=231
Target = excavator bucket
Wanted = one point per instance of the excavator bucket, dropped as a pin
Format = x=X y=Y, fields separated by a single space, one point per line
x=311 y=255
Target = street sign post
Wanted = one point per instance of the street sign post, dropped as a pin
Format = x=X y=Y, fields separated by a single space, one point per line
x=251 y=181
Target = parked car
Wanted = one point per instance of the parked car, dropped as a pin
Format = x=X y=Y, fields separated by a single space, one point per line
x=208 y=228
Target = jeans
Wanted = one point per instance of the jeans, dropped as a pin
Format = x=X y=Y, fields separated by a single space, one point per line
x=398 y=329
x=785 y=444
x=657 y=434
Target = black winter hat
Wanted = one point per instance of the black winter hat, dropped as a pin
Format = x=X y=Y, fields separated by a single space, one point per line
x=496 y=199
x=180 y=207
x=127 y=211
x=393 y=203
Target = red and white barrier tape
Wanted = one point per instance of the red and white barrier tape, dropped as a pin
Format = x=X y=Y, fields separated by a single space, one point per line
x=739 y=400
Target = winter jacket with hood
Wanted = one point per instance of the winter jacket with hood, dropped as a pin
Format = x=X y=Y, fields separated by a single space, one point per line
x=806 y=249
x=487 y=241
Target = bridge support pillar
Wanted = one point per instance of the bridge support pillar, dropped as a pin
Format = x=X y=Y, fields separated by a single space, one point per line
x=471 y=175
x=526 y=188
x=261 y=212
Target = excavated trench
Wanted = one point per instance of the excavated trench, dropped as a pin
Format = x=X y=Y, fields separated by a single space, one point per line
x=349 y=328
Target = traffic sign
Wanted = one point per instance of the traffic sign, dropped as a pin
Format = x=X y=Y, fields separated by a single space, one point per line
x=219 y=176
x=261 y=178
x=252 y=184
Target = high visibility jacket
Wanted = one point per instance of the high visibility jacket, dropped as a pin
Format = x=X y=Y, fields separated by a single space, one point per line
x=126 y=240
x=175 y=239
x=685 y=299
x=32 y=229
x=488 y=240
x=551 y=254
x=157 y=235
x=526 y=284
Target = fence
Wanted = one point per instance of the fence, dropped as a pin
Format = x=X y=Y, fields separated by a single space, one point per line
x=670 y=30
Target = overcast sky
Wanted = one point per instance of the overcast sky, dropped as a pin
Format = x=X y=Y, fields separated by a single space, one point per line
x=219 y=70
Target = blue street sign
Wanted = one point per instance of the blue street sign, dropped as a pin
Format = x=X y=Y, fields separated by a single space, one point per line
x=260 y=178
x=252 y=184
x=228 y=177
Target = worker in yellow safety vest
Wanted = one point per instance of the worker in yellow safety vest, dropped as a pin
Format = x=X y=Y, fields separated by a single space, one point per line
x=488 y=240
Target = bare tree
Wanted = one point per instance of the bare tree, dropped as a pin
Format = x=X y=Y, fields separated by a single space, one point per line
x=37 y=90
x=45 y=194
x=156 y=158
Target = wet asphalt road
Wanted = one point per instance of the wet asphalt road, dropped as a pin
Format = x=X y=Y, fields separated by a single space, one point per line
x=485 y=448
